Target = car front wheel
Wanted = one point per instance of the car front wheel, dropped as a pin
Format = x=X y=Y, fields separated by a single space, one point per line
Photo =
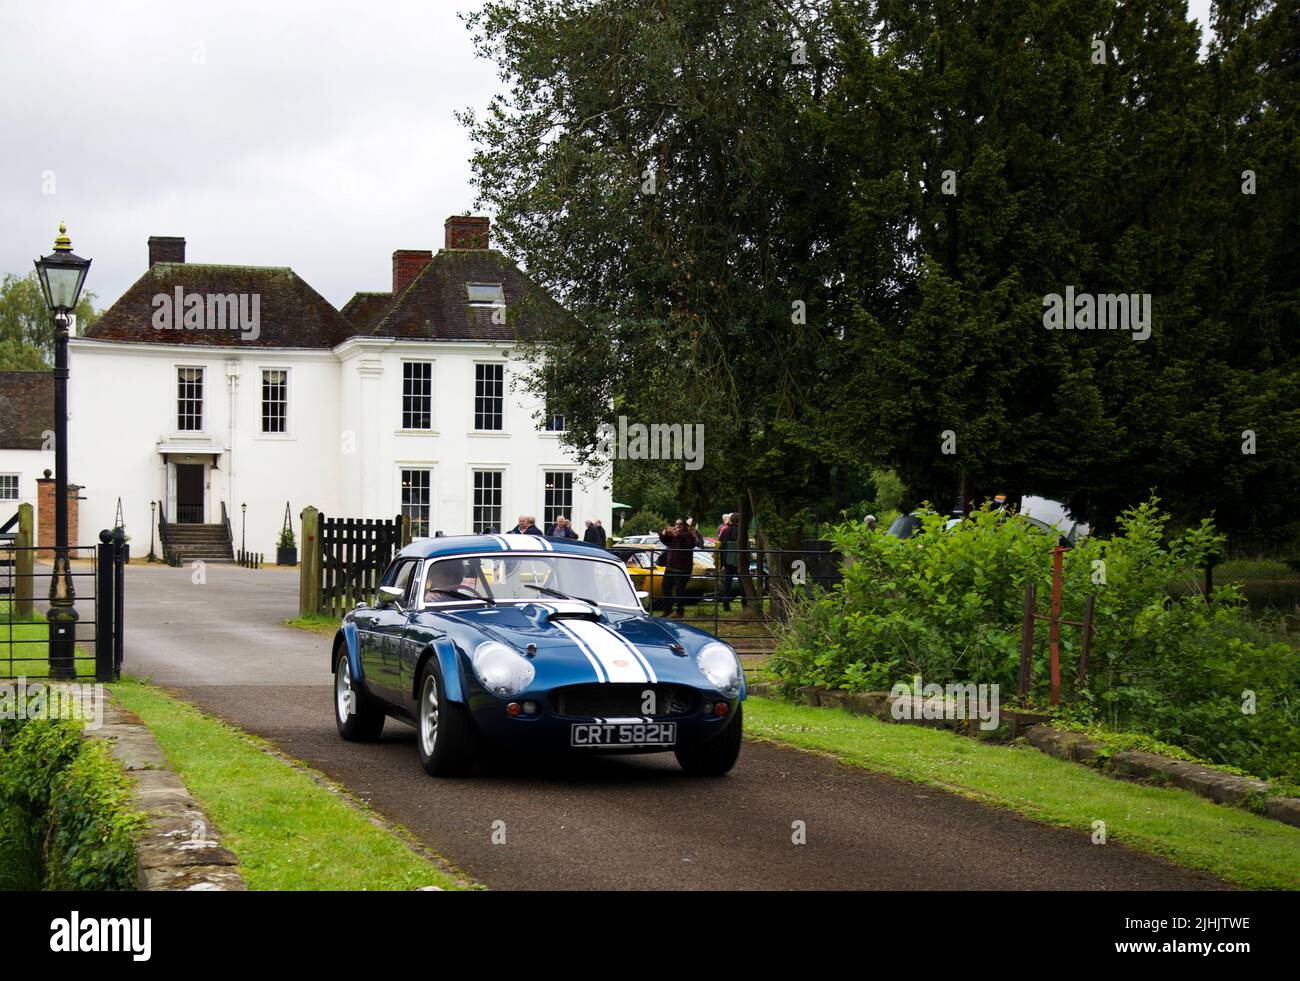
x=358 y=718
x=718 y=755
x=445 y=734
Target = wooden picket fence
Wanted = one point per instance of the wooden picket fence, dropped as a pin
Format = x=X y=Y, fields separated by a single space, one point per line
x=344 y=559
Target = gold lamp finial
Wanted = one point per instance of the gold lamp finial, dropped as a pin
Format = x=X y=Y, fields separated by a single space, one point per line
x=63 y=243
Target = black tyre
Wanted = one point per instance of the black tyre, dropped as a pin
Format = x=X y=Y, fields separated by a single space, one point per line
x=718 y=755
x=444 y=732
x=358 y=718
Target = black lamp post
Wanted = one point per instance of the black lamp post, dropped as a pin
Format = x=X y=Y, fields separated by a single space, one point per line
x=153 y=522
x=243 y=527
x=62 y=275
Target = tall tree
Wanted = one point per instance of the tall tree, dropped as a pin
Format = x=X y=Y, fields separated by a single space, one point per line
x=652 y=164
x=827 y=230
x=26 y=328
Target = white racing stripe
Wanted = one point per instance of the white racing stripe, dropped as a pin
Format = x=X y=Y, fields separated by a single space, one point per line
x=618 y=663
x=632 y=649
x=525 y=543
x=601 y=676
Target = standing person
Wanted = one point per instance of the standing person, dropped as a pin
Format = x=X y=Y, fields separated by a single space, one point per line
x=726 y=520
x=600 y=531
x=681 y=563
x=530 y=525
x=561 y=529
x=519 y=527
x=729 y=555
x=595 y=534
x=695 y=532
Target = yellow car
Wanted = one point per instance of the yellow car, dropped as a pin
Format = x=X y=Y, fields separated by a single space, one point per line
x=704 y=577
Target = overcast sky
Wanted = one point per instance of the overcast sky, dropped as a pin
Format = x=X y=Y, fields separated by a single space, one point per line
x=318 y=135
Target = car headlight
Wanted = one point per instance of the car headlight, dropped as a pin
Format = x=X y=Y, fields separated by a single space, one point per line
x=720 y=665
x=501 y=670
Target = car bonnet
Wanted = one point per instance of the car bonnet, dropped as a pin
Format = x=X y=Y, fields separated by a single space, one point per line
x=575 y=642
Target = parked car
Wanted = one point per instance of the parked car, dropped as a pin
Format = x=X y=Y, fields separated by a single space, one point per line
x=531 y=643
x=907 y=525
x=1049 y=517
x=633 y=544
x=640 y=565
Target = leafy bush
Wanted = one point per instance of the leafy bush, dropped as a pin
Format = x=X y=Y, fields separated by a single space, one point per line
x=64 y=818
x=286 y=539
x=91 y=846
x=643 y=523
x=948 y=605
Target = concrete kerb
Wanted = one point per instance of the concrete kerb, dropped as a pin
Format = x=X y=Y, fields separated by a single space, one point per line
x=1075 y=747
x=177 y=849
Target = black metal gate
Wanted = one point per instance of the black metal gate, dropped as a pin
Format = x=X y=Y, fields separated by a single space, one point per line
x=30 y=644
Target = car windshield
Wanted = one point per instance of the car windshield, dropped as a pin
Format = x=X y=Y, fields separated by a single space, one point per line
x=532 y=577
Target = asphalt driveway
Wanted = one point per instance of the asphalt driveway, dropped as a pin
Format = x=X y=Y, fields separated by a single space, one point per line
x=630 y=823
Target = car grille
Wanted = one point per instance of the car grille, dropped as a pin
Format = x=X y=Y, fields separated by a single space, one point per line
x=619 y=700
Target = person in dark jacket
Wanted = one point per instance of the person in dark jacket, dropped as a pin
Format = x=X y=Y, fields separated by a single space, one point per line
x=694 y=529
x=729 y=556
x=595 y=534
x=562 y=529
x=681 y=563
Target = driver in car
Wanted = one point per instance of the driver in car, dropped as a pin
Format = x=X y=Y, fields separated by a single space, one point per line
x=443 y=576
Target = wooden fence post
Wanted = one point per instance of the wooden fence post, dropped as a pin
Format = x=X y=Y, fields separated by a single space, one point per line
x=1027 y=640
x=23 y=564
x=309 y=571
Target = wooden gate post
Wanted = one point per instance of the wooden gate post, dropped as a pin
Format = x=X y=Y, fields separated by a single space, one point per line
x=23 y=570
x=309 y=571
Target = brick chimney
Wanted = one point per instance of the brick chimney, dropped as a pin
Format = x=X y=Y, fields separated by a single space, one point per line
x=407 y=264
x=166 y=248
x=467 y=232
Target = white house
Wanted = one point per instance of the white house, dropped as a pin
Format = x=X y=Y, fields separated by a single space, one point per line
x=211 y=385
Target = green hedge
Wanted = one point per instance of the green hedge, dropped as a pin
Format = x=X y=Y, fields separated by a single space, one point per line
x=65 y=822
x=948 y=605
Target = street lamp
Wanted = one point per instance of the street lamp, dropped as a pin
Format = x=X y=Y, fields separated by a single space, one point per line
x=243 y=527
x=62 y=275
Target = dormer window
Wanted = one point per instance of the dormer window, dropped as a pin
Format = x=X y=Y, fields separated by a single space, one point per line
x=485 y=294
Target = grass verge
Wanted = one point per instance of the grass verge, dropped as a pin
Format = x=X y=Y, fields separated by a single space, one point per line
x=315 y=623
x=289 y=832
x=1233 y=844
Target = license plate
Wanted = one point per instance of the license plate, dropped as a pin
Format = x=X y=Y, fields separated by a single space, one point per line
x=623 y=734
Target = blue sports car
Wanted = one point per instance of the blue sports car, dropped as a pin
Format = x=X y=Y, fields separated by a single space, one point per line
x=526 y=642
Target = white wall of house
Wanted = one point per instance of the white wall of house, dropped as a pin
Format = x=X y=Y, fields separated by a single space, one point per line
x=122 y=410
x=26 y=466
x=344 y=450
x=451 y=450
